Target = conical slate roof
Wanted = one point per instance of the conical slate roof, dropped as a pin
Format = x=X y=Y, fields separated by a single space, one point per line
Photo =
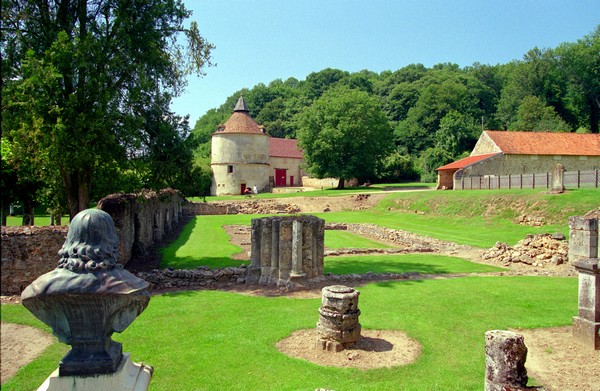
x=240 y=121
x=241 y=105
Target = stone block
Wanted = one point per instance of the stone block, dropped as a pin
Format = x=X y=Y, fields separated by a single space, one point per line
x=586 y=332
x=505 y=356
x=580 y=223
x=129 y=376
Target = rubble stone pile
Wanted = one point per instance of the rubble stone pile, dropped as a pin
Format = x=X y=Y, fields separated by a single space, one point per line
x=249 y=207
x=535 y=250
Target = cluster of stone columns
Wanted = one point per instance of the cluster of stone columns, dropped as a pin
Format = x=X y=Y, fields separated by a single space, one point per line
x=583 y=253
x=286 y=249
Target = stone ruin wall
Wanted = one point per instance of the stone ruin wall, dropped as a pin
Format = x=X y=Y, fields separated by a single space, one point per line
x=28 y=252
x=141 y=220
x=264 y=206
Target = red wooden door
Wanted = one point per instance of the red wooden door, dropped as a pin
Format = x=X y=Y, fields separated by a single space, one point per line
x=280 y=177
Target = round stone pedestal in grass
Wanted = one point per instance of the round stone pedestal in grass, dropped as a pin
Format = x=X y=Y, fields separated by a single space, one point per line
x=505 y=355
x=338 y=325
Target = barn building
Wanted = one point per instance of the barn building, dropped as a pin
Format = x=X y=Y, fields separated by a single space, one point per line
x=505 y=152
x=244 y=155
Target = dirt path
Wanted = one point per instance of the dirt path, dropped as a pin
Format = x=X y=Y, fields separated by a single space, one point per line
x=20 y=345
x=557 y=361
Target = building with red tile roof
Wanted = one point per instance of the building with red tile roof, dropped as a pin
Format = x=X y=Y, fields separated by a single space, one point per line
x=285 y=148
x=244 y=156
x=507 y=152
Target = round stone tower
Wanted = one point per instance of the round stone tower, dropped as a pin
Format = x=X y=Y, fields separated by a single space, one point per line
x=239 y=154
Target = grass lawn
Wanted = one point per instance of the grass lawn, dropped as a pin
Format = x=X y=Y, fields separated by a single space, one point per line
x=477 y=218
x=332 y=192
x=403 y=263
x=40 y=220
x=204 y=242
x=212 y=340
x=335 y=239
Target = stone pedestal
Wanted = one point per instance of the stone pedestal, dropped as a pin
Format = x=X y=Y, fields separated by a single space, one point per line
x=557 y=178
x=586 y=326
x=87 y=298
x=505 y=355
x=583 y=238
x=286 y=250
x=338 y=325
x=129 y=376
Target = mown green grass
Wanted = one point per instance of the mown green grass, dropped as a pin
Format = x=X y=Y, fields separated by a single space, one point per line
x=476 y=218
x=403 y=263
x=204 y=242
x=212 y=340
x=497 y=205
x=336 y=239
x=331 y=192
x=40 y=220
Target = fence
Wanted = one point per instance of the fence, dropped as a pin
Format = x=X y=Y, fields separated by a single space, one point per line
x=571 y=180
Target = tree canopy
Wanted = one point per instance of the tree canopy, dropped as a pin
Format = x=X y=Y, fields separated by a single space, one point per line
x=87 y=87
x=344 y=134
x=438 y=113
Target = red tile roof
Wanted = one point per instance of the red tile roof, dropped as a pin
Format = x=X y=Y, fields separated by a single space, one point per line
x=284 y=147
x=546 y=143
x=240 y=122
x=462 y=163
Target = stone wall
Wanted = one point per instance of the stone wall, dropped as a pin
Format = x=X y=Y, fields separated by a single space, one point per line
x=527 y=164
x=239 y=158
x=293 y=169
x=326 y=183
x=264 y=206
x=142 y=219
x=28 y=252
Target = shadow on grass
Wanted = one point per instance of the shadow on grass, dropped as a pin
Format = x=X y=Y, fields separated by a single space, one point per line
x=403 y=264
x=170 y=251
x=361 y=267
x=211 y=262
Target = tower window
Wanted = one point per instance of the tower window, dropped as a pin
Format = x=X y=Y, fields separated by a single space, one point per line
x=229 y=169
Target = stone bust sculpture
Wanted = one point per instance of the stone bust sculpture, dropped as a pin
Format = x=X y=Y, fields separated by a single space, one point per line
x=88 y=296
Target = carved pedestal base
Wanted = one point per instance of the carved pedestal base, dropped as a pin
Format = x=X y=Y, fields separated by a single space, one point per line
x=586 y=332
x=129 y=376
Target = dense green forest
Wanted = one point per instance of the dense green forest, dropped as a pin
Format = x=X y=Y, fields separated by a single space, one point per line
x=436 y=114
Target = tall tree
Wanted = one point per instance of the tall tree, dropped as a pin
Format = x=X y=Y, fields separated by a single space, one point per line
x=580 y=64
x=534 y=115
x=79 y=78
x=343 y=135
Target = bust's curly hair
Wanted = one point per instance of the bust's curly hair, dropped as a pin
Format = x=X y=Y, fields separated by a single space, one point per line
x=92 y=243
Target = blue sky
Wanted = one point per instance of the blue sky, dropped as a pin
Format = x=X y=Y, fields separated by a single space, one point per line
x=258 y=41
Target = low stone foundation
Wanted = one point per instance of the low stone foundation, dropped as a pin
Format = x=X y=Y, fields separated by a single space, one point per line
x=264 y=206
x=27 y=253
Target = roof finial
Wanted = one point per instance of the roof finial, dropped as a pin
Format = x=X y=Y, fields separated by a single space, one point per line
x=241 y=105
